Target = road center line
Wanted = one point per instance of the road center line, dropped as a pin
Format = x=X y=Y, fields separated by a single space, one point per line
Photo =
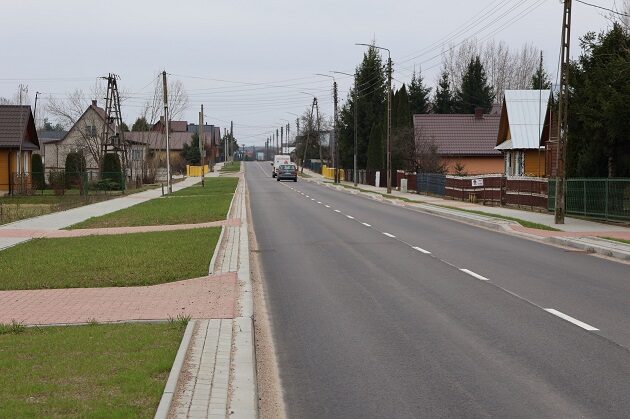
x=367 y=225
x=389 y=235
x=350 y=217
x=319 y=202
x=421 y=250
x=337 y=211
x=471 y=273
x=327 y=206
x=571 y=319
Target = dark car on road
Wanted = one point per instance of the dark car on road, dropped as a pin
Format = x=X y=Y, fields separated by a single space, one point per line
x=287 y=171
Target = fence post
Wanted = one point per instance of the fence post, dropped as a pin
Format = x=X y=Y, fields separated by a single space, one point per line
x=584 y=200
x=606 y=205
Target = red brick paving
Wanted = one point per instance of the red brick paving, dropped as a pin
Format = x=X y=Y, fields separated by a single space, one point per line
x=206 y=297
x=34 y=234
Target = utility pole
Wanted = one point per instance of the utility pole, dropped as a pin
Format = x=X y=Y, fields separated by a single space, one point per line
x=169 y=187
x=389 y=123
x=277 y=141
x=231 y=148
x=282 y=140
x=563 y=108
x=336 y=116
x=308 y=134
x=202 y=144
x=20 y=159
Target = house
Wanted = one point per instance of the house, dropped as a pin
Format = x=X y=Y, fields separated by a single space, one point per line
x=213 y=140
x=18 y=140
x=86 y=136
x=524 y=126
x=464 y=143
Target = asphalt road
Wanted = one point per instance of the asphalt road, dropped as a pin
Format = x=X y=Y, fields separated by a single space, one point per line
x=381 y=311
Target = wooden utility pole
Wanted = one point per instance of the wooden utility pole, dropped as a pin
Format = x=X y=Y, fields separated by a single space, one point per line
x=169 y=187
x=389 y=123
x=282 y=140
x=202 y=144
x=231 y=147
x=563 y=108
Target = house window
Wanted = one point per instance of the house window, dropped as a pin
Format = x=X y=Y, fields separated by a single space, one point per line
x=91 y=130
x=520 y=164
x=136 y=155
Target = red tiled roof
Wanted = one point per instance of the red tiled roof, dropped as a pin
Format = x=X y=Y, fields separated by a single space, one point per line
x=17 y=126
x=458 y=134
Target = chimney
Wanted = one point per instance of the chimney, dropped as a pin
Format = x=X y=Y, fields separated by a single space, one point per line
x=478 y=113
x=94 y=103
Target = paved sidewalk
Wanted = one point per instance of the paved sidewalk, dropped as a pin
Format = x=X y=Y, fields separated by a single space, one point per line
x=583 y=234
x=218 y=377
x=211 y=296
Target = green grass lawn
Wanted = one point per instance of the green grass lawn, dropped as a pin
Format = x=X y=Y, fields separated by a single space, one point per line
x=616 y=239
x=104 y=371
x=195 y=204
x=233 y=166
x=108 y=261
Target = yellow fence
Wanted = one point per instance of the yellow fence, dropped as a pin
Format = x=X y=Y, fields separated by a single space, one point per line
x=196 y=170
x=329 y=172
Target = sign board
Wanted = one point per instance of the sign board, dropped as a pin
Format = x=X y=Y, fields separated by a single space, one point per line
x=477 y=182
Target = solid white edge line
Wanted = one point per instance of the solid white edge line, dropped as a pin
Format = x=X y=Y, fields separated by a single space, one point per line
x=350 y=216
x=421 y=250
x=367 y=225
x=471 y=273
x=389 y=235
x=571 y=319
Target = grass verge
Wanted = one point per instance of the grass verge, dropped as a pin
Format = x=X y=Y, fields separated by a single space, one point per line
x=231 y=167
x=195 y=204
x=616 y=239
x=86 y=371
x=304 y=175
x=108 y=261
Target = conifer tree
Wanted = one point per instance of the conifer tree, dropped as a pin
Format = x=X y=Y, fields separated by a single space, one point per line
x=375 y=158
x=418 y=95
x=443 y=101
x=475 y=91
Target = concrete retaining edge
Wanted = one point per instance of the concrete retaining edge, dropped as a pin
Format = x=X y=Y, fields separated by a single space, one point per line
x=171 y=384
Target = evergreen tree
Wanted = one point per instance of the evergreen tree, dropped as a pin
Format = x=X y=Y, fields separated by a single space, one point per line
x=418 y=95
x=74 y=168
x=540 y=80
x=375 y=158
x=370 y=84
x=599 y=115
x=403 y=143
x=37 y=168
x=112 y=170
x=190 y=152
x=141 y=124
x=443 y=102
x=475 y=92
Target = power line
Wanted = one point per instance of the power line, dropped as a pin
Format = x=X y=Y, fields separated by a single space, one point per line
x=603 y=8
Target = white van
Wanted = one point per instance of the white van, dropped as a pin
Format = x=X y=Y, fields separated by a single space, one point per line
x=277 y=161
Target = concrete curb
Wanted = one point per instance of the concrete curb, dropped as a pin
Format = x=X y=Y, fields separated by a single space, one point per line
x=489 y=223
x=171 y=384
x=213 y=261
x=244 y=400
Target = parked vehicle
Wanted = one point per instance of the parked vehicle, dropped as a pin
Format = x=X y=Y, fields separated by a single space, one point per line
x=287 y=171
x=279 y=160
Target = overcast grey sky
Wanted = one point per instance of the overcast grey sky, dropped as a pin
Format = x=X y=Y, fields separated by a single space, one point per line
x=248 y=61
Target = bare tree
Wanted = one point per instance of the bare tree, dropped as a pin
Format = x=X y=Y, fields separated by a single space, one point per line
x=505 y=69
x=427 y=159
x=177 y=101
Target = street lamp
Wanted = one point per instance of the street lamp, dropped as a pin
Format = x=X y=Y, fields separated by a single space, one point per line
x=335 y=151
x=356 y=104
x=389 y=113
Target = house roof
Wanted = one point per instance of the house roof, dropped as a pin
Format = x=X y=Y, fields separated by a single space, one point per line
x=458 y=134
x=17 y=127
x=210 y=131
x=98 y=110
x=523 y=117
x=173 y=126
x=46 y=137
x=157 y=140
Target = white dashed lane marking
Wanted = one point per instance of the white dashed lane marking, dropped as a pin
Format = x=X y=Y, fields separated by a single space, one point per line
x=421 y=250
x=367 y=225
x=337 y=211
x=350 y=216
x=471 y=273
x=571 y=319
x=389 y=235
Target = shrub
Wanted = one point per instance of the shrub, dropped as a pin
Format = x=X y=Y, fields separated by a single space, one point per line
x=57 y=182
x=75 y=167
x=112 y=170
x=37 y=169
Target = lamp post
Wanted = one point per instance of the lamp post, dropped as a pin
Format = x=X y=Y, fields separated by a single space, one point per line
x=389 y=113
x=356 y=104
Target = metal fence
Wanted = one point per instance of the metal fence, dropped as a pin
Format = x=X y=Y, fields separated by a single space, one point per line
x=433 y=183
x=596 y=197
x=59 y=182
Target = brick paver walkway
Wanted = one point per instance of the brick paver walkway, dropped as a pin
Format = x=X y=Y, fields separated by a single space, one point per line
x=40 y=233
x=206 y=297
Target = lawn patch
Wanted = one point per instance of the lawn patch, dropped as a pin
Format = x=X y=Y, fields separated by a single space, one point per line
x=195 y=204
x=231 y=167
x=616 y=239
x=86 y=371
x=108 y=261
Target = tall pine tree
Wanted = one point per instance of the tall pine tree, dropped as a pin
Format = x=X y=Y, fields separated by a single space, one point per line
x=475 y=92
x=443 y=102
x=403 y=143
x=370 y=86
x=375 y=158
x=540 y=79
x=418 y=94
